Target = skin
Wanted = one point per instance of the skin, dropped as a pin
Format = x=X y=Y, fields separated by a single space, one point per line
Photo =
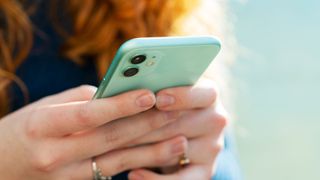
x=202 y=120
x=56 y=137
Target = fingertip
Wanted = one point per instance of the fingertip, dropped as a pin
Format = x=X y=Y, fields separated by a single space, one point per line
x=145 y=99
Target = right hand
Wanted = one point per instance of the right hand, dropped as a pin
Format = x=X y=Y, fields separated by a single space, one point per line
x=56 y=137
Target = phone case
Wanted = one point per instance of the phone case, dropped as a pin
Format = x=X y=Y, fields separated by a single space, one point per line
x=170 y=62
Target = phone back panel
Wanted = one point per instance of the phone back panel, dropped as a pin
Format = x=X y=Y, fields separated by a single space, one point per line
x=170 y=62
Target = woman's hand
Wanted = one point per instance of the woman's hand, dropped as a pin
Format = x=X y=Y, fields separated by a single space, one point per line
x=56 y=137
x=202 y=120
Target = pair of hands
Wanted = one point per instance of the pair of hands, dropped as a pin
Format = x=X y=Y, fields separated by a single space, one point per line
x=56 y=137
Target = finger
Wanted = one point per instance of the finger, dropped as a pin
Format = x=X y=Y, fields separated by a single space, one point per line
x=181 y=98
x=81 y=93
x=63 y=119
x=193 y=123
x=203 y=150
x=115 y=134
x=143 y=156
x=191 y=172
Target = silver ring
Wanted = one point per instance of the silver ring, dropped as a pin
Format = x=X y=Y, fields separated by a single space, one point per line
x=97 y=174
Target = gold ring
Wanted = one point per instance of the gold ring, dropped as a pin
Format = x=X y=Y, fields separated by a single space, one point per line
x=97 y=174
x=184 y=161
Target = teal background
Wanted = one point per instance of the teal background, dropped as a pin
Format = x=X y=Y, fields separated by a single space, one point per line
x=276 y=81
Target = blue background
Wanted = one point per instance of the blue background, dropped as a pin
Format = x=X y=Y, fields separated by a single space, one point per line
x=277 y=79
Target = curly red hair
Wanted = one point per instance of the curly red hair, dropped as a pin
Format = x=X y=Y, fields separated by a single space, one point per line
x=98 y=29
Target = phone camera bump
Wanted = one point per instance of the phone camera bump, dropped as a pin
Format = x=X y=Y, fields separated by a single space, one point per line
x=138 y=59
x=130 y=72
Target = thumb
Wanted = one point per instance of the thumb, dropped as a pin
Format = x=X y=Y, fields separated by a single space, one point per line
x=80 y=93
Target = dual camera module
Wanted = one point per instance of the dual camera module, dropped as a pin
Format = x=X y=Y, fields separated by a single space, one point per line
x=133 y=70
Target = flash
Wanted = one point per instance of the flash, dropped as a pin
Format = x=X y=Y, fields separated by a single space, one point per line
x=150 y=63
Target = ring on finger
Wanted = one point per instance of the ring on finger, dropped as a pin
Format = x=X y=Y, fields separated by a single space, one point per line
x=184 y=161
x=97 y=174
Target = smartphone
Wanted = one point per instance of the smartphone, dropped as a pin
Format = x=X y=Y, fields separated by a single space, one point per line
x=157 y=63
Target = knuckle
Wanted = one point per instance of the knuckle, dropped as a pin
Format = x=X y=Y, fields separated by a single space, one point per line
x=221 y=120
x=31 y=131
x=217 y=120
x=215 y=147
x=112 y=136
x=44 y=161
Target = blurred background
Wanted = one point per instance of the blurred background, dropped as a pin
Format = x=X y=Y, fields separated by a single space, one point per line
x=277 y=81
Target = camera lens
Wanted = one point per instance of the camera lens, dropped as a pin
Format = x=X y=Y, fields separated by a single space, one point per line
x=130 y=72
x=138 y=59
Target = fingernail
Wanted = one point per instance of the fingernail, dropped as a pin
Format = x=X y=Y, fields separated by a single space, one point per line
x=165 y=100
x=135 y=176
x=178 y=147
x=145 y=100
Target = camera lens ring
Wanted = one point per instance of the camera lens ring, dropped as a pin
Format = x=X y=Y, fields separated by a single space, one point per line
x=132 y=71
x=138 y=59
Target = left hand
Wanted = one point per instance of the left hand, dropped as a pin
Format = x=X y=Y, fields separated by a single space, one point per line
x=202 y=120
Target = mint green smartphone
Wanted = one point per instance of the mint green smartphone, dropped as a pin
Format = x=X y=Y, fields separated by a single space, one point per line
x=158 y=63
